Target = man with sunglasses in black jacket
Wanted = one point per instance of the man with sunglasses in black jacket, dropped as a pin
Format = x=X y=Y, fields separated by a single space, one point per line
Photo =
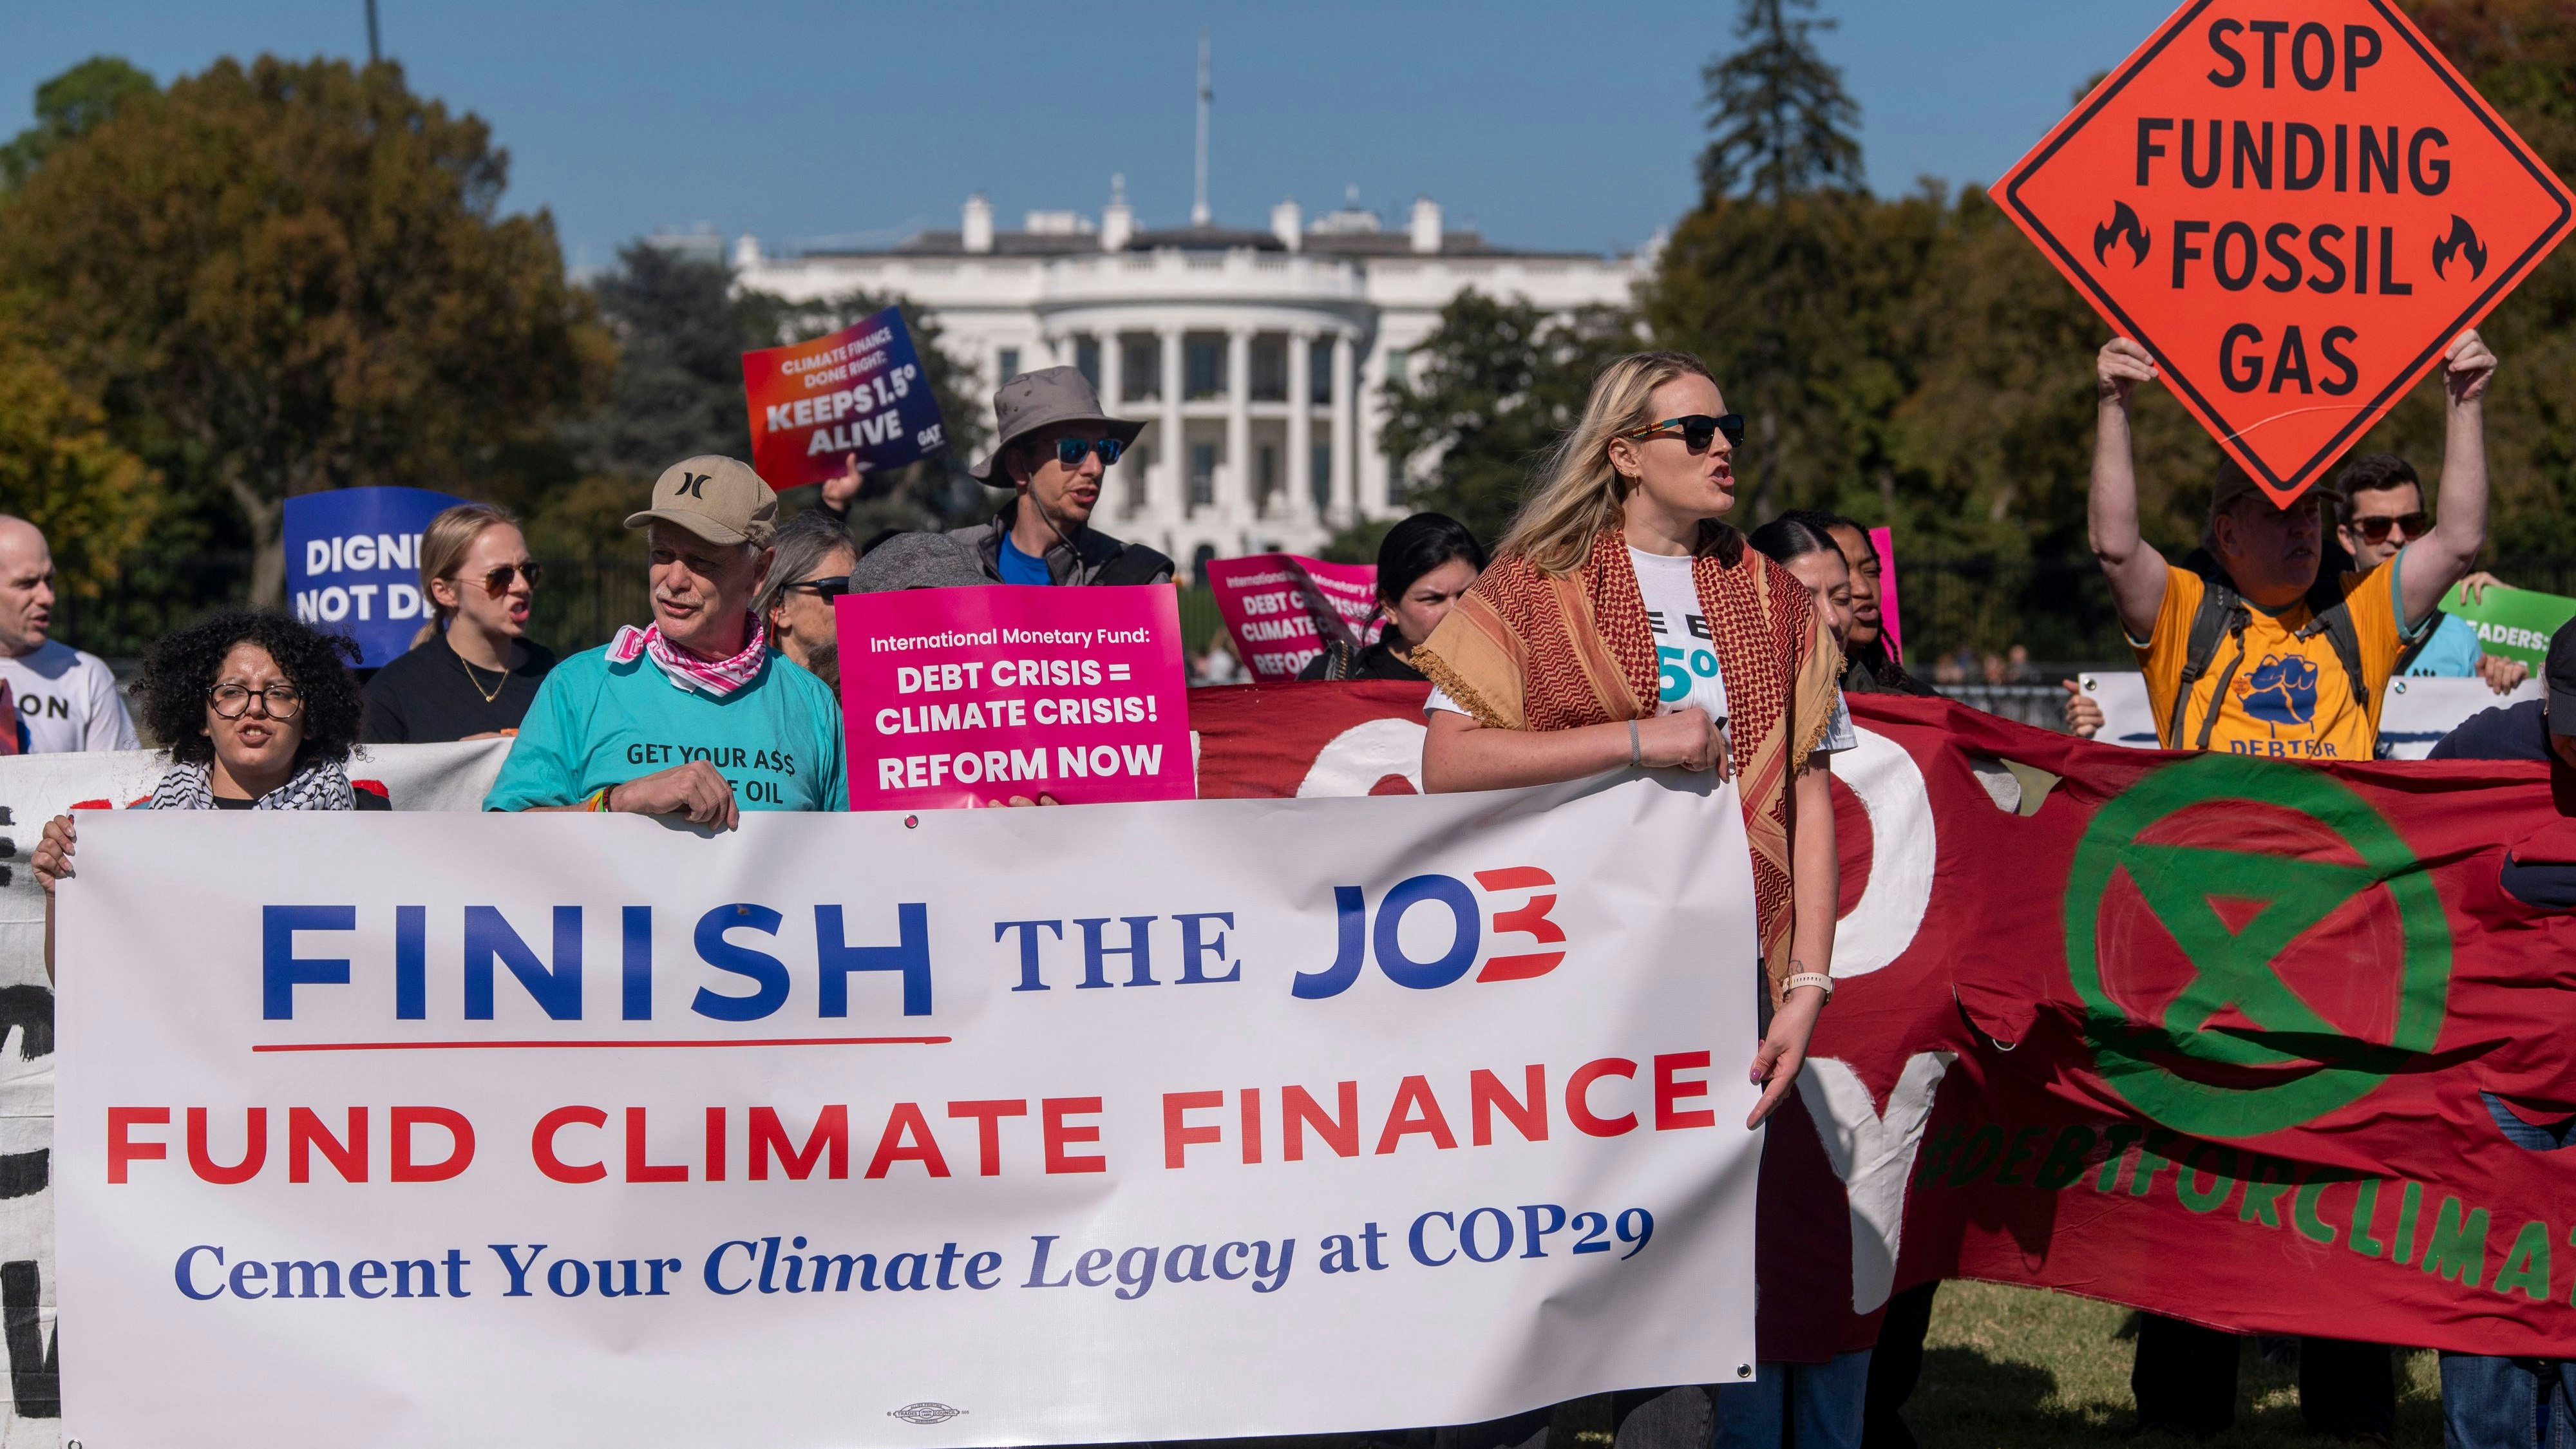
x=1056 y=445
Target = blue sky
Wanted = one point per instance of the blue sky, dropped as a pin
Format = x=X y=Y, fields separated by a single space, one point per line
x=1556 y=125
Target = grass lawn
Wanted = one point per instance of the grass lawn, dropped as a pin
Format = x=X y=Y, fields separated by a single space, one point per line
x=2006 y=1368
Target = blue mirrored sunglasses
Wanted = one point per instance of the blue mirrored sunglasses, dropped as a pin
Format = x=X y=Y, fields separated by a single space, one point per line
x=1069 y=451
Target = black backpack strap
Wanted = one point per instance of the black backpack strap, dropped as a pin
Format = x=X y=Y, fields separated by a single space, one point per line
x=2330 y=614
x=2220 y=614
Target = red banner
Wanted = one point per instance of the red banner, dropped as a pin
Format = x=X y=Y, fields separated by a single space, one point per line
x=2220 y=1038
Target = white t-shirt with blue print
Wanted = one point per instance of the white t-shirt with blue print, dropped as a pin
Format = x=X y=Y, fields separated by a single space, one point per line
x=1686 y=667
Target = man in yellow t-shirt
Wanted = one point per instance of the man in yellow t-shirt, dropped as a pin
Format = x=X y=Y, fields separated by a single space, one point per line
x=2275 y=682
x=2276 y=678
x=2277 y=686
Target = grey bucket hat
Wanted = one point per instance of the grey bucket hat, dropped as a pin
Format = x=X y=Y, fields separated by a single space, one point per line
x=1034 y=400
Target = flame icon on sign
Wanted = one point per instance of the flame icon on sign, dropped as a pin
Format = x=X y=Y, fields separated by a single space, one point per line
x=2123 y=226
x=2462 y=242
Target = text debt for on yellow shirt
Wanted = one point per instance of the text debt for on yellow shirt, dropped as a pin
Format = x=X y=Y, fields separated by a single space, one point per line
x=2287 y=698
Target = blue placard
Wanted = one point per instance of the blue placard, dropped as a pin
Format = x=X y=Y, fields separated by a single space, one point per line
x=353 y=565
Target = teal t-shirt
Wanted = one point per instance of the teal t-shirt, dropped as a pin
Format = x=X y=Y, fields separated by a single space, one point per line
x=595 y=724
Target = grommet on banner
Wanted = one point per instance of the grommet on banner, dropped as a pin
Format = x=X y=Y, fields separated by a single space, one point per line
x=1744 y=1371
x=910 y=821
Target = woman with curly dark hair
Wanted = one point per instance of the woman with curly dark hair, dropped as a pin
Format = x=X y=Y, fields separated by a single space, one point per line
x=260 y=713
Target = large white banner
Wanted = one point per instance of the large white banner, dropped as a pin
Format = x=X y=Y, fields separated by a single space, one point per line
x=1126 y=1122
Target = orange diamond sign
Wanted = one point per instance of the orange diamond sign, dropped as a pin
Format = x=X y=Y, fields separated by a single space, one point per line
x=2294 y=205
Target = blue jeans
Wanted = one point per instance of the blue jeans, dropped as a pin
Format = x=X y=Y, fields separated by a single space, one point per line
x=1822 y=1401
x=2508 y=1403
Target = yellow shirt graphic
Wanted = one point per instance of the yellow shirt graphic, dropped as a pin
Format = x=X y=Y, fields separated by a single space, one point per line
x=2284 y=697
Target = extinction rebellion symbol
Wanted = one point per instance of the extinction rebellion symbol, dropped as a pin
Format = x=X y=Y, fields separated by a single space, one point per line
x=2254 y=944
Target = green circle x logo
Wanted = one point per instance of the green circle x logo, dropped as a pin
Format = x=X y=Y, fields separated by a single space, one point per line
x=2238 y=1052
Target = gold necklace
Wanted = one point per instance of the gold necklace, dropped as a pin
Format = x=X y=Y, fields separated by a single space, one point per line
x=477 y=680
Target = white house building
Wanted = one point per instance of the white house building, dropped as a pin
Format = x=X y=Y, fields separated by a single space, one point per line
x=1258 y=358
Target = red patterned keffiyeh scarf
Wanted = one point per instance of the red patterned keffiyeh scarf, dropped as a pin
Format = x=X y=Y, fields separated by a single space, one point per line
x=715 y=677
x=1527 y=650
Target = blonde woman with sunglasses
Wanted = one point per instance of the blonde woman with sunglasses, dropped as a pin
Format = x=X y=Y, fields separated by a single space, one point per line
x=1623 y=624
x=473 y=672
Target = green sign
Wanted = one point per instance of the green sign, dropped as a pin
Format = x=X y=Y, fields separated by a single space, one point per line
x=2515 y=623
x=2238 y=1052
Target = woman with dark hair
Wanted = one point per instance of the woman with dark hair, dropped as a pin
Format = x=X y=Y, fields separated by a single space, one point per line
x=1869 y=665
x=260 y=713
x=1424 y=565
x=1803 y=543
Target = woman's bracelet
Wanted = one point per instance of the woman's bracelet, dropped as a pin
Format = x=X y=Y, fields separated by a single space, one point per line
x=1636 y=749
x=1816 y=979
x=598 y=801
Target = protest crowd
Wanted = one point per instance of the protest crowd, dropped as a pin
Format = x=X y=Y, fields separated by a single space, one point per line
x=1624 y=622
x=1640 y=594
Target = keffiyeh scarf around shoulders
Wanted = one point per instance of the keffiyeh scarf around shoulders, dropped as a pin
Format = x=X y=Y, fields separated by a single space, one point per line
x=1527 y=650
x=321 y=785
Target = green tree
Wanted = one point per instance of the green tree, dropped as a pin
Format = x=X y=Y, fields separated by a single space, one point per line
x=283 y=277
x=1491 y=389
x=1779 y=276
x=68 y=107
x=62 y=471
x=1782 y=120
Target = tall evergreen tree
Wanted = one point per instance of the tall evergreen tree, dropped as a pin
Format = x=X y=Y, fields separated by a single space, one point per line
x=1783 y=122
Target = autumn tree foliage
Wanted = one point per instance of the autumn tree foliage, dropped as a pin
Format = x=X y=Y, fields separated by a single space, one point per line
x=285 y=276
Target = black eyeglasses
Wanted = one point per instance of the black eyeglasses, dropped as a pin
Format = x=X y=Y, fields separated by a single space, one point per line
x=278 y=701
x=1698 y=429
x=1069 y=451
x=497 y=582
x=2375 y=530
x=831 y=587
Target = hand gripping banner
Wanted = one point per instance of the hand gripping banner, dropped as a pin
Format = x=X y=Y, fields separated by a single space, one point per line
x=1117 y=1123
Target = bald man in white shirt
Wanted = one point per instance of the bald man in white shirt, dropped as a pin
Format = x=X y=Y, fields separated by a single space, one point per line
x=66 y=700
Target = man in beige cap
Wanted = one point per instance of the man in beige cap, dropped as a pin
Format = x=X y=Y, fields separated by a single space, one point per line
x=1056 y=444
x=695 y=715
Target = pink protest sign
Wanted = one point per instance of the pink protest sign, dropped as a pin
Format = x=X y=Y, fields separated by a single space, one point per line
x=1270 y=604
x=1884 y=540
x=976 y=696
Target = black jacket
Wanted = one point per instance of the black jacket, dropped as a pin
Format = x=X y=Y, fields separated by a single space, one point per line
x=1093 y=557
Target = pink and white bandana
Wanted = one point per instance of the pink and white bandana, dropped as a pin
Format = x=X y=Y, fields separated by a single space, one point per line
x=717 y=677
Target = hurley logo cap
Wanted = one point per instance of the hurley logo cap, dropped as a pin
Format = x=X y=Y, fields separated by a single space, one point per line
x=719 y=499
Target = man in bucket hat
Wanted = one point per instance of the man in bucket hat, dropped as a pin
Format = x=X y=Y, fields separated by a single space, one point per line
x=695 y=715
x=1055 y=445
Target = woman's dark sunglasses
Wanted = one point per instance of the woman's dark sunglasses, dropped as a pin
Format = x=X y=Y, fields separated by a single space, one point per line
x=1069 y=451
x=497 y=582
x=829 y=587
x=2375 y=530
x=1698 y=429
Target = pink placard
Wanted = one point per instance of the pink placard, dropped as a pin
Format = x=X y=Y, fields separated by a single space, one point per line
x=1263 y=600
x=1884 y=540
x=976 y=696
